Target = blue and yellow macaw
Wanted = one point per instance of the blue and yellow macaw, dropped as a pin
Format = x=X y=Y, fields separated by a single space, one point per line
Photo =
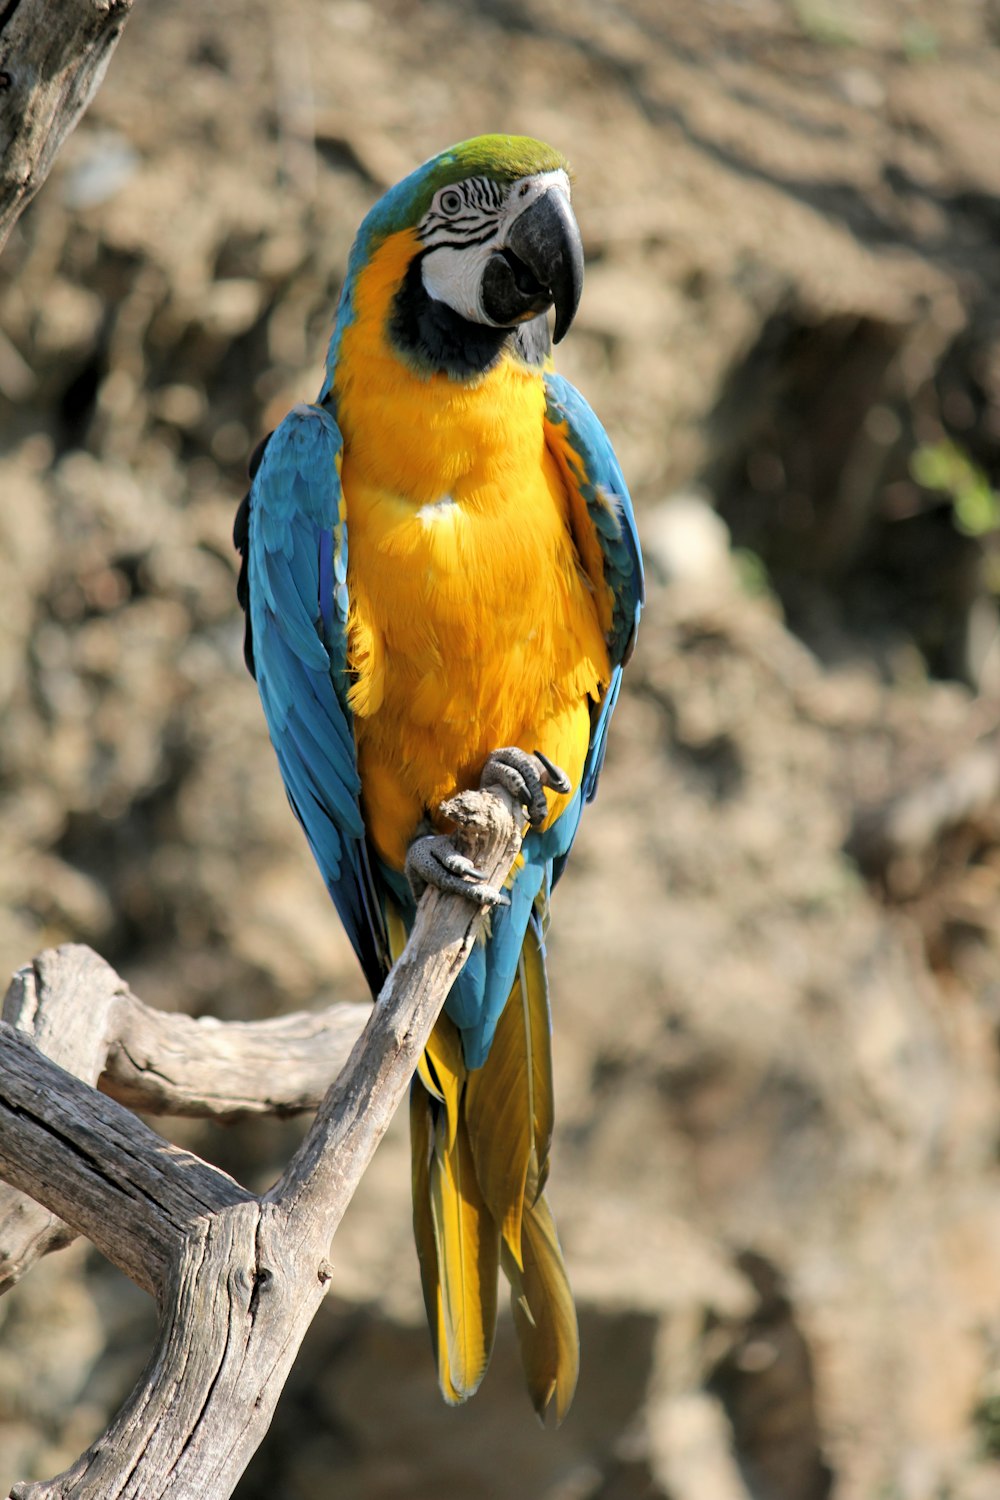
x=441 y=574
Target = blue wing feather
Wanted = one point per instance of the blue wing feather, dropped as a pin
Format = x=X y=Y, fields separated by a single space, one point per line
x=296 y=571
x=597 y=474
x=590 y=464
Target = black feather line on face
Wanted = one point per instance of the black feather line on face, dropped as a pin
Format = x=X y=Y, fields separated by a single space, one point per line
x=482 y=200
x=438 y=340
x=463 y=244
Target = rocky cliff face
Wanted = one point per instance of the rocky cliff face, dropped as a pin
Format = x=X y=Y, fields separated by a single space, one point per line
x=776 y=1008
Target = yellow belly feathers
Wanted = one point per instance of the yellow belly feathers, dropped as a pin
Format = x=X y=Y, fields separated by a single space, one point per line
x=472 y=625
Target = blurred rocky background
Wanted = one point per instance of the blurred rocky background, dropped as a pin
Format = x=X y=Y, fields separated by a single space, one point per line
x=775 y=959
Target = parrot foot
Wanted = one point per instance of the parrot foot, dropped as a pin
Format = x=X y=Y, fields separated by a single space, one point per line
x=434 y=860
x=525 y=777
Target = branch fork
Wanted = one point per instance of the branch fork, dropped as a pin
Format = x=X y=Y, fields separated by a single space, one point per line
x=237 y=1278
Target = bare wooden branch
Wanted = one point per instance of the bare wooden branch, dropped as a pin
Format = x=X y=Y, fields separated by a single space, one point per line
x=174 y=1065
x=94 y=1164
x=85 y=1018
x=52 y=60
x=62 y=1001
x=238 y=1278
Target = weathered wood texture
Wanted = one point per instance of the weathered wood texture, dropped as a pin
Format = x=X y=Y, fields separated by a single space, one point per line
x=52 y=60
x=82 y=1016
x=237 y=1278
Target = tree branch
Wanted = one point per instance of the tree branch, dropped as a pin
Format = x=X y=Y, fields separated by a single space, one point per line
x=82 y=1016
x=52 y=60
x=237 y=1278
x=94 y=1164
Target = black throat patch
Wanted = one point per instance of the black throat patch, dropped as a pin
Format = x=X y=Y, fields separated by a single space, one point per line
x=438 y=340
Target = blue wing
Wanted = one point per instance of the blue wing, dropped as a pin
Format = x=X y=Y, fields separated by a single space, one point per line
x=295 y=560
x=604 y=530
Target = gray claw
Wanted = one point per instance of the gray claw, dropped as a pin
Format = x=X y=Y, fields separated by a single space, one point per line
x=557 y=778
x=434 y=860
x=457 y=863
x=525 y=777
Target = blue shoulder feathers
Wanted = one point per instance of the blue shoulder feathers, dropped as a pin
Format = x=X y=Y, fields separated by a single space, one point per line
x=296 y=550
x=592 y=471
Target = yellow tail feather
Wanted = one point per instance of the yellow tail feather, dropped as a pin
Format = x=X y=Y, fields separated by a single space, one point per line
x=458 y=1245
x=422 y=1145
x=443 y=1073
x=468 y=1253
x=544 y=1314
x=508 y=1101
x=480 y=1143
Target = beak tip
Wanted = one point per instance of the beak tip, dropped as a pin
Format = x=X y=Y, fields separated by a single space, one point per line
x=566 y=308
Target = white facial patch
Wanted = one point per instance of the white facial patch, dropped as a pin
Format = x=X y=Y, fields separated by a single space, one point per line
x=466 y=224
x=453 y=276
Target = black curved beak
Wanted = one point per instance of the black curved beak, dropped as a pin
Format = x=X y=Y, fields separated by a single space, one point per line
x=541 y=266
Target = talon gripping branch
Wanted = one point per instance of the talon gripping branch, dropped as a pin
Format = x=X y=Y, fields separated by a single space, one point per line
x=441 y=570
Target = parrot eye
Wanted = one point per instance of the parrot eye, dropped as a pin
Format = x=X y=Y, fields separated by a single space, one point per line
x=450 y=202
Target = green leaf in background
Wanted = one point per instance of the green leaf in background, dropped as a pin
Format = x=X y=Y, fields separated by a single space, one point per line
x=946 y=467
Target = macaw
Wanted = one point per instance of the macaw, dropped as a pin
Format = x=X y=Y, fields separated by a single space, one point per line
x=441 y=575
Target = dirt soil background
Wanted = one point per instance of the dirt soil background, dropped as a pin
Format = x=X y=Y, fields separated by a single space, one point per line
x=775 y=961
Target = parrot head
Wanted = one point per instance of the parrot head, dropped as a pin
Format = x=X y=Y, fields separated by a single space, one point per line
x=491 y=245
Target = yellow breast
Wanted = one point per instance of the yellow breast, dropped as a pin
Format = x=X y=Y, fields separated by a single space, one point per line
x=472 y=625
